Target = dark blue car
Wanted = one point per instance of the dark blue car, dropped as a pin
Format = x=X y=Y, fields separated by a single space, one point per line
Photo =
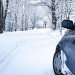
x=64 y=57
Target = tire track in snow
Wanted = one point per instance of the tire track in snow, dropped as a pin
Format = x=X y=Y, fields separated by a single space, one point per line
x=10 y=56
x=7 y=52
x=4 y=55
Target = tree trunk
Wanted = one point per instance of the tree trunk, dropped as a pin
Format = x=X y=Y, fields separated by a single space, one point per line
x=53 y=15
x=1 y=17
x=5 y=14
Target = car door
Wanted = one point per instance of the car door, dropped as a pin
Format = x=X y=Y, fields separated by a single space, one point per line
x=69 y=49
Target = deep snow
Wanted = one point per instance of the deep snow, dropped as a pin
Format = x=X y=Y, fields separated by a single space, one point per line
x=28 y=52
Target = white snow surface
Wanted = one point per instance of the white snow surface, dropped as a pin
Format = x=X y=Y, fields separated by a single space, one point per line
x=28 y=52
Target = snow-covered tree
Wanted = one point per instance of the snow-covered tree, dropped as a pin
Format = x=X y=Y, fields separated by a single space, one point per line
x=36 y=16
x=17 y=15
x=50 y=4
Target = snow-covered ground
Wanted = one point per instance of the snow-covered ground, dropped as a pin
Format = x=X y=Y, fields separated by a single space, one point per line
x=28 y=52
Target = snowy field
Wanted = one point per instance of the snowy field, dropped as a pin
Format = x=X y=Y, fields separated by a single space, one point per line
x=28 y=52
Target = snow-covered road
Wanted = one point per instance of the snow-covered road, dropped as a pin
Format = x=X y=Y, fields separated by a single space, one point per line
x=28 y=53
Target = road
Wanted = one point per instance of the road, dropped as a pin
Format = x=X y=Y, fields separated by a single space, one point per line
x=27 y=53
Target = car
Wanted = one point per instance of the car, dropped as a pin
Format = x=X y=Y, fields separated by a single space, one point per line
x=64 y=56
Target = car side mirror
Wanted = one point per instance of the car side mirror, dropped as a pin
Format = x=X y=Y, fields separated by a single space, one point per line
x=67 y=24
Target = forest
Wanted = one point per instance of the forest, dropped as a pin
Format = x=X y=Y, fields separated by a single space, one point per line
x=22 y=15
